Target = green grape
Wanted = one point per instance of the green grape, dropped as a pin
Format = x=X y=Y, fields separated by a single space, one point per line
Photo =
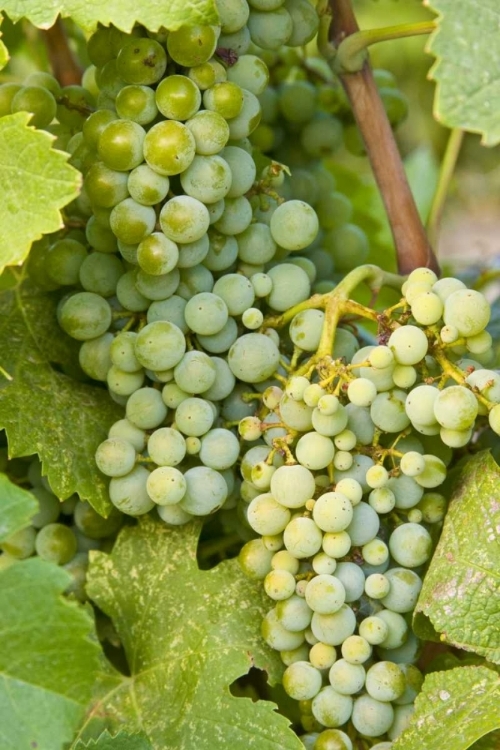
x=173 y=515
x=410 y=545
x=455 y=408
x=94 y=526
x=248 y=119
x=208 y=179
x=375 y=552
x=306 y=328
x=373 y=629
x=404 y=376
x=7 y=93
x=226 y=99
x=398 y=629
x=177 y=97
x=101 y=238
x=129 y=494
x=73 y=106
x=404 y=591
x=325 y=594
x=419 y=405
x=276 y=635
x=371 y=717
x=295 y=414
x=120 y=145
x=115 y=457
x=109 y=82
x=364 y=525
x=219 y=449
x=160 y=345
x=63 y=261
x=250 y=73
x=413 y=684
x=320 y=138
x=195 y=372
x=377 y=586
x=236 y=291
x=279 y=584
x=314 y=451
x=270 y=30
x=292 y=486
x=362 y=392
x=206 y=491
x=479 y=344
x=434 y=472
x=184 y=219
x=381 y=357
x=446 y=286
x=171 y=310
x=38 y=101
x=290 y=286
x=85 y=316
x=349 y=487
x=145 y=408
x=353 y=580
x=330 y=708
x=166 y=447
x=388 y=411
x=323 y=564
x=302 y=537
x=210 y=132
x=56 y=543
x=21 y=544
x=305 y=23
x=346 y=678
x=99 y=273
x=125 y=430
x=322 y=656
x=329 y=425
x=255 y=561
x=193 y=253
x=105 y=187
x=141 y=61
x=157 y=255
x=409 y=345
x=77 y=568
x=169 y=147
x=243 y=170
x=192 y=45
x=402 y=717
x=294 y=225
x=194 y=417
x=205 y=75
x=255 y=244
x=222 y=252
x=382 y=500
x=239 y=41
x=427 y=308
x=136 y=103
x=157 y=287
x=294 y=613
x=48 y=507
x=123 y=383
x=166 y=485
x=395 y=105
x=95 y=124
x=128 y=295
x=253 y=357
x=220 y=342
x=266 y=516
x=302 y=681
x=333 y=512
x=467 y=310
x=233 y=14
x=132 y=222
x=494 y=419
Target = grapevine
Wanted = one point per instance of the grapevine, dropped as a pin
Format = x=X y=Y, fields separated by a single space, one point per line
x=263 y=384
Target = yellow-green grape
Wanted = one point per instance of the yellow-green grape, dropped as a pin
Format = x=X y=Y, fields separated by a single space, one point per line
x=409 y=345
x=192 y=45
x=427 y=308
x=382 y=499
x=262 y=474
x=376 y=587
x=255 y=559
x=373 y=629
x=328 y=405
x=322 y=656
x=455 y=408
x=455 y=438
x=421 y=276
x=331 y=708
x=380 y=357
x=449 y=334
x=169 y=147
x=375 y=552
x=336 y=544
x=479 y=344
x=468 y=311
x=377 y=476
x=494 y=419
x=273 y=542
x=56 y=543
x=404 y=376
x=323 y=564
x=21 y=544
x=350 y=488
x=385 y=681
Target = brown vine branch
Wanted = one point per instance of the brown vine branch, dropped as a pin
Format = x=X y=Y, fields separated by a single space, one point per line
x=412 y=246
x=62 y=60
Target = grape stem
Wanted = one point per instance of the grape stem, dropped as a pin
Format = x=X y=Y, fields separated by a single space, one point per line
x=62 y=61
x=351 y=51
x=445 y=175
x=412 y=246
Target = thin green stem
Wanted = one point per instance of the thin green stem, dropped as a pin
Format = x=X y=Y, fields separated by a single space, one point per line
x=351 y=52
x=5 y=374
x=447 y=169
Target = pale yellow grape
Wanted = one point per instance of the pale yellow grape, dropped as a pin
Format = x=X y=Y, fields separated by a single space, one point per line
x=455 y=408
x=449 y=334
x=455 y=438
x=409 y=345
x=468 y=310
x=322 y=656
x=337 y=544
x=266 y=516
x=434 y=473
x=446 y=286
x=421 y=276
x=291 y=486
x=427 y=308
x=302 y=537
x=404 y=376
x=479 y=344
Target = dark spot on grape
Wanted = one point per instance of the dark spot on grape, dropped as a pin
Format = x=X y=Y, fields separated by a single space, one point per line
x=150 y=61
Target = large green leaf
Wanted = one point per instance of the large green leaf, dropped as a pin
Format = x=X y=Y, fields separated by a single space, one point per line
x=454 y=709
x=16 y=507
x=461 y=591
x=42 y=410
x=120 y=741
x=488 y=742
x=467 y=47
x=36 y=183
x=121 y=13
x=188 y=634
x=48 y=661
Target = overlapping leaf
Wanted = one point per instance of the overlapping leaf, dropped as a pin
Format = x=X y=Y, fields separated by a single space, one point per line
x=188 y=634
x=120 y=741
x=461 y=591
x=458 y=706
x=36 y=183
x=16 y=507
x=467 y=48
x=120 y=13
x=48 y=661
x=42 y=410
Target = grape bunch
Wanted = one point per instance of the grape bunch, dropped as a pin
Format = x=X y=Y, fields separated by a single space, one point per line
x=341 y=483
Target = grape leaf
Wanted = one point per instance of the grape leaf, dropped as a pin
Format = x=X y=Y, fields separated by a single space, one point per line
x=16 y=507
x=37 y=182
x=461 y=591
x=120 y=13
x=4 y=52
x=120 y=741
x=48 y=661
x=462 y=704
x=488 y=742
x=188 y=634
x=42 y=410
x=466 y=69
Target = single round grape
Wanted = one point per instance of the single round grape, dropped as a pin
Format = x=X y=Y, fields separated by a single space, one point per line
x=56 y=543
x=147 y=186
x=184 y=219
x=362 y=392
x=375 y=552
x=419 y=404
x=294 y=613
x=412 y=464
x=105 y=187
x=209 y=130
x=157 y=255
x=433 y=474
x=141 y=61
x=382 y=500
x=270 y=30
x=385 y=681
x=100 y=272
x=409 y=345
x=467 y=310
x=128 y=493
x=145 y=408
x=410 y=545
x=177 y=97
x=364 y=525
x=194 y=417
x=169 y=147
x=160 y=345
x=219 y=449
x=136 y=103
x=283 y=560
x=166 y=485
x=352 y=578
x=294 y=225
x=206 y=491
x=314 y=451
x=373 y=629
x=337 y=544
x=302 y=681
x=323 y=564
x=224 y=382
x=132 y=222
x=248 y=119
x=346 y=678
x=192 y=45
x=266 y=516
x=377 y=586
x=21 y=544
x=206 y=313
x=173 y=515
x=253 y=357
x=350 y=487
x=371 y=717
x=121 y=383
x=329 y=425
x=120 y=145
x=64 y=260
x=85 y=315
x=243 y=170
x=166 y=447
x=302 y=537
x=404 y=591
x=279 y=584
x=276 y=636
x=306 y=328
x=38 y=101
x=388 y=411
x=455 y=408
x=331 y=708
x=115 y=457
x=333 y=512
x=255 y=560
x=381 y=357
x=427 y=308
x=226 y=99
x=292 y=486
x=377 y=476
x=335 y=628
x=325 y=594
x=208 y=178
x=479 y=344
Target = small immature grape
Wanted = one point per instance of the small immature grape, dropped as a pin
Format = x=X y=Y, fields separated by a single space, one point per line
x=302 y=681
x=361 y=392
x=427 y=308
x=115 y=457
x=373 y=629
x=380 y=357
x=377 y=586
x=279 y=584
x=328 y=405
x=252 y=318
x=409 y=345
x=347 y=678
x=449 y=334
x=322 y=656
x=377 y=476
x=410 y=545
x=350 y=488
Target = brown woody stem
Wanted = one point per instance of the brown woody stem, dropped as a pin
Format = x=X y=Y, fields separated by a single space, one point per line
x=412 y=246
x=63 y=63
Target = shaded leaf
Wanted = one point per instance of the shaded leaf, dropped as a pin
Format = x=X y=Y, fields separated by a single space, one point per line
x=120 y=741
x=4 y=52
x=188 y=634
x=461 y=591
x=488 y=742
x=16 y=507
x=42 y=410
x=37 y=182
x=120 y=13
x=48 y=661
x=462 y=704
x=466 y=45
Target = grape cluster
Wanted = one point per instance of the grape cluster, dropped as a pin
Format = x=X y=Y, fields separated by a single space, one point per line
x=341 y=483
x=62 y=533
